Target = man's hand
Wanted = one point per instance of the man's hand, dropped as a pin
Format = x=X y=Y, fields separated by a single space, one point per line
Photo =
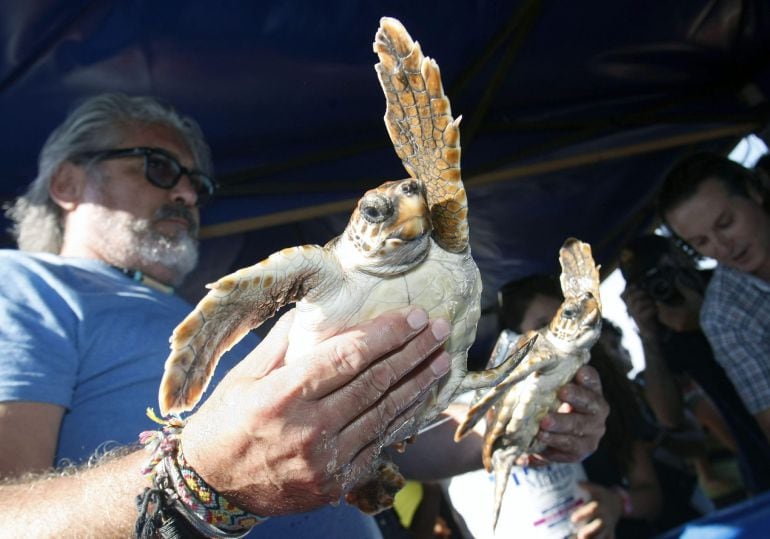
x=574 y=431
x=278 y=439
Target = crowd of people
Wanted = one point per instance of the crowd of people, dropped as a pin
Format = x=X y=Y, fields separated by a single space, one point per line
x=705 y=381
x=109 y=227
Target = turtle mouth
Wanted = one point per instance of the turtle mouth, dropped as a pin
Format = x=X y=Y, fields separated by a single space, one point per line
x=412 y=228
x=411 y=212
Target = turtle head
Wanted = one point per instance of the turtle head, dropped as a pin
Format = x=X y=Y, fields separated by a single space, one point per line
x=390 y=227
x=578 y=320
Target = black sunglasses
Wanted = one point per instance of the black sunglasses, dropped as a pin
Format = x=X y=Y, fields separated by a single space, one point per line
x=160 y=169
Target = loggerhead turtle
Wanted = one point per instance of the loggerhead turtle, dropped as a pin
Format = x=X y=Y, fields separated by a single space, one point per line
x=406 y=243
x=519 y=402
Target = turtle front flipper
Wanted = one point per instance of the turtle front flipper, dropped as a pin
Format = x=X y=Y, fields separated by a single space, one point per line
x=521 y=372
x=490 y=377
x=424 y=134
x=579 y=272
x=236 y=304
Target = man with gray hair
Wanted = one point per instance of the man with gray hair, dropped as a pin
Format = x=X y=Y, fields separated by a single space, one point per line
x=106 y=230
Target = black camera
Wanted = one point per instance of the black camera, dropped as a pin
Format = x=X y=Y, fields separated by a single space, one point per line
x=660 y=284
x=643 y=263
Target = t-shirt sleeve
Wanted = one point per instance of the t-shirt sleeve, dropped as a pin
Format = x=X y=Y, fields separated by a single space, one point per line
x=38 y=345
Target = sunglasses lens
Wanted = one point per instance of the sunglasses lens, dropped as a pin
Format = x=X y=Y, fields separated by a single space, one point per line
x=162 y=171
x=204 y=187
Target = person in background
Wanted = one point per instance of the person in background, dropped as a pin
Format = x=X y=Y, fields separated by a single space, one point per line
x=106 y=231
x=664 y=293
x=720 y=210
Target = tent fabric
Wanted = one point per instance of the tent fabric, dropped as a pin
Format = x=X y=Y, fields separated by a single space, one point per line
x=572 y=111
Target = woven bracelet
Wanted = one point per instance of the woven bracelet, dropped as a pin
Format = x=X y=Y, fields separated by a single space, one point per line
x=178 y=490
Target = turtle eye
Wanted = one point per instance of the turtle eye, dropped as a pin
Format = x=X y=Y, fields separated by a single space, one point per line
x=376 y=209
x=570 y=311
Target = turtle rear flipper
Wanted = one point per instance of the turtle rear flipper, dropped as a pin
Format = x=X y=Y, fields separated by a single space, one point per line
x=236 y=304
x=502 y=464
x=426 y=138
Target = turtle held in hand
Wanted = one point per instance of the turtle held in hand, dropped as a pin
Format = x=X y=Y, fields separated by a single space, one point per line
x=406 y=243
x=516 y=405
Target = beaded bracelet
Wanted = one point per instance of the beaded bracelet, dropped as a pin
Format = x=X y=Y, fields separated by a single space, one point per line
x=178 y=490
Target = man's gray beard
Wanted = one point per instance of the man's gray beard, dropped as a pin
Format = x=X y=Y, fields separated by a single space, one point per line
x=133 y=241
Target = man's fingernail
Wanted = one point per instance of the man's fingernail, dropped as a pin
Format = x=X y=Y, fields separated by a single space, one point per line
x=417 y=319
x=440 y=329
x=440 y=365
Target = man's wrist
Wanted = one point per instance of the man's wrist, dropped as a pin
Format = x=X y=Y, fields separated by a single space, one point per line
x=178 y=493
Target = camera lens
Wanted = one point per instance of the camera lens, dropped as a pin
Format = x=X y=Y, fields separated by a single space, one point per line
x=660 y=284
x=660 y=289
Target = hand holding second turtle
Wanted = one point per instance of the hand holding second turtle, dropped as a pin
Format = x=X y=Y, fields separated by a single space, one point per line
x=278 y=439
x=574 y=432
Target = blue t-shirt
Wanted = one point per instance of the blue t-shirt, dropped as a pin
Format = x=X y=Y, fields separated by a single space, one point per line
x=81 y=334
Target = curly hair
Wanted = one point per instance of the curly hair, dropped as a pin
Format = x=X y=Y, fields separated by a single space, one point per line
x=99 y=123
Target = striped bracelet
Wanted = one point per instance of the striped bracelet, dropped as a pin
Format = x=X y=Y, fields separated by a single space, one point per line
x=176 y=488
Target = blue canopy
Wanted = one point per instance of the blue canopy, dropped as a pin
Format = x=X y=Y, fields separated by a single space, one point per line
x=572 y=111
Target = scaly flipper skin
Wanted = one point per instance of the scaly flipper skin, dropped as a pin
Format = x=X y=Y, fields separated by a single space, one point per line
x=494 y=377
x=532 y=364
x=424 y=134
x=519 y=402
x=236 y=304
x=579 y=273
